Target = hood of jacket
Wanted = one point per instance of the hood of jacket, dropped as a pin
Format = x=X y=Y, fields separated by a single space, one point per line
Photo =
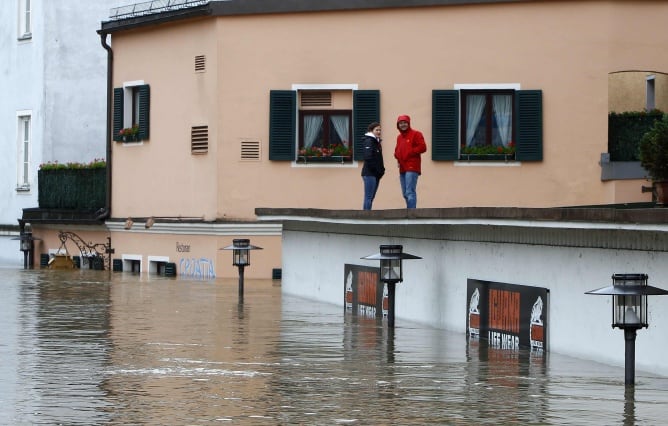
x=405 y=118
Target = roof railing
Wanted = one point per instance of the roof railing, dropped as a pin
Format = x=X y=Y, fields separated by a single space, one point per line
x=150 y=7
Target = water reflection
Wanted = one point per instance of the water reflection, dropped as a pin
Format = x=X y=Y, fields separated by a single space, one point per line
x=86 y=347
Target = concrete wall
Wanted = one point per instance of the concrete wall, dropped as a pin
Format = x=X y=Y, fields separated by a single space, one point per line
x=566 y=258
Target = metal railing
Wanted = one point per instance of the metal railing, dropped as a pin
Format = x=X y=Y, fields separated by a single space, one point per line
x=150 y=7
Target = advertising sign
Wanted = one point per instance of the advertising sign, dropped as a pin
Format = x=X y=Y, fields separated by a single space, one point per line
x=363 y=292
x=509 y=316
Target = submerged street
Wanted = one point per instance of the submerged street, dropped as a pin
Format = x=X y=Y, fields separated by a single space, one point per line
x=91 y=347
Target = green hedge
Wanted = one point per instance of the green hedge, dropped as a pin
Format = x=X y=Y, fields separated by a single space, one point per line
x=625 y=131
x=72 y=189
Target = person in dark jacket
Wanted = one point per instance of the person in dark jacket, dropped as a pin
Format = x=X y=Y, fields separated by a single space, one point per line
x=373 y=168
x=410 y=146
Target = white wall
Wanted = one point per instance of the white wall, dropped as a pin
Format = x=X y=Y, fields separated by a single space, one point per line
x=60 y=76
x=434 y=288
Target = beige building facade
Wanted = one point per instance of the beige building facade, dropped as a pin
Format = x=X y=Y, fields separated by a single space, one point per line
x=226 y=95
x=638 y=91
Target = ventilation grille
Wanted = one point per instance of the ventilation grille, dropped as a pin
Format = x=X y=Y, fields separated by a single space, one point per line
x=250 y=150
x=199 y=140
x=316 y=99
x=200 y=63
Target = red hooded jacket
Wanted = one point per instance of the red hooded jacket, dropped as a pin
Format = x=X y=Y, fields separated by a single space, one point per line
x=410 y=145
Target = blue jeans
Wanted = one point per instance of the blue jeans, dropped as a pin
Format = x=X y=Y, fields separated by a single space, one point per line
x=408 y=184
x=370 y=188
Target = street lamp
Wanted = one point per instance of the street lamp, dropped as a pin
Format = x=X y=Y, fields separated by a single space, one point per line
x=27 y=245
x=629 y=312
x=241 y=258
x=391 y=272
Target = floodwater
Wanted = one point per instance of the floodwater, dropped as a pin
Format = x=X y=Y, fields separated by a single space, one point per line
x=90 y=347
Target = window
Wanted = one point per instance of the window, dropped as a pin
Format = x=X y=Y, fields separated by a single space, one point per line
x=324 y=129
x=650 y=103
x=131 y=112
x=493 y=122
x=24 y=136
x=327 y=116
x=487 y=125
x=325 y=125
x=25 y=27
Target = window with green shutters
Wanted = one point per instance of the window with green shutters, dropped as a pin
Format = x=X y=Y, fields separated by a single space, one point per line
x=484 y=125
x=317 y=130
x=131 y=113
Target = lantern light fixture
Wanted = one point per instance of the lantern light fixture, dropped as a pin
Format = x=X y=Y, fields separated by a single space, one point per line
x=629 y=311
x=391 y=272
x=241 y=248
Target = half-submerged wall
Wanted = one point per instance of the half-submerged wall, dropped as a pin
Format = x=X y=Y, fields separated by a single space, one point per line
x=567 y=251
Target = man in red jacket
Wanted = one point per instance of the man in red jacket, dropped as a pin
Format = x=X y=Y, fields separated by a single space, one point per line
x=410 y=146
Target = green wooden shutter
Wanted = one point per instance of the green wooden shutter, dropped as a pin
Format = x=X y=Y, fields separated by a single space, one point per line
x=444 y=125
x=282 y=124
x=144 y=111
x=118 y=112
x=529 y=125
x=366 y=110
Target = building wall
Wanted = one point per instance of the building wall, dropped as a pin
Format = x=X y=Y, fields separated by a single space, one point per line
x=247 y=56
x=161 y=177
x=22 y=85
x=567 y=50
x=628 y=91
x=567 y=258
x=59 y=76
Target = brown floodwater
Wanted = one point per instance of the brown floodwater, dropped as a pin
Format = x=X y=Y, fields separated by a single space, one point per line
x=89 y=347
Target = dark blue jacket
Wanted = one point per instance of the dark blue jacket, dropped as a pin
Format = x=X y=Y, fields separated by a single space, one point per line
x=373 y=157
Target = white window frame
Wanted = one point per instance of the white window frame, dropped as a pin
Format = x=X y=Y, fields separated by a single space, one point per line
x=321 y=87
x=23 y=149
x=127 y=262
x=24 y=19
x=650 y=87
x=153 y=262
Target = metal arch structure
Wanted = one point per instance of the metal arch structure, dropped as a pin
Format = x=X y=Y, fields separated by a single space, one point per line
x=89 y=250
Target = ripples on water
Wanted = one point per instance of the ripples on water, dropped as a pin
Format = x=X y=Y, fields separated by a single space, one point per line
x=86 y=347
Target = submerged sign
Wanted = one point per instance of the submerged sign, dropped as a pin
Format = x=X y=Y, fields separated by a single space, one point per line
x=507 y=315
x=363 y=292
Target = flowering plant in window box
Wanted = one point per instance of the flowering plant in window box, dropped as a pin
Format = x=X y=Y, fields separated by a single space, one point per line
x=336 y=152
x=129 y=134
x=489 y=149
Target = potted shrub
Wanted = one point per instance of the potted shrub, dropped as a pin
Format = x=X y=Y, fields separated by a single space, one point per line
x=654 y=157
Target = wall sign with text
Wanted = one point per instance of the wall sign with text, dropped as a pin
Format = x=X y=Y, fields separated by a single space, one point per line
x=363 y=293
x=509 y=316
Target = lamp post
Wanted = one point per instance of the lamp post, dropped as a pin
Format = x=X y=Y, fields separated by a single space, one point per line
x=629 y=312
x=27 y=245
x=391 y=272
x=241 y=258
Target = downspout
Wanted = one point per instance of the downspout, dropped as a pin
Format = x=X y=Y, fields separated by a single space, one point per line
x=110 y=63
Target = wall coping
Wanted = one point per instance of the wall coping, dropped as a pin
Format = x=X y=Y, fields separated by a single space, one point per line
x=611 y=217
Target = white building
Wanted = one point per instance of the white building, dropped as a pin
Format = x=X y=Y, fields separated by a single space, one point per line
x=53 y=73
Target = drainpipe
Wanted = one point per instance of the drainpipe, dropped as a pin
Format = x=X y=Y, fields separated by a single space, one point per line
x=110 y=63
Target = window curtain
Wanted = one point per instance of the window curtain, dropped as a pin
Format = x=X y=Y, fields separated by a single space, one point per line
x=341 y=125
x=475 y=105
x=312 y=126
x=503 y=105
